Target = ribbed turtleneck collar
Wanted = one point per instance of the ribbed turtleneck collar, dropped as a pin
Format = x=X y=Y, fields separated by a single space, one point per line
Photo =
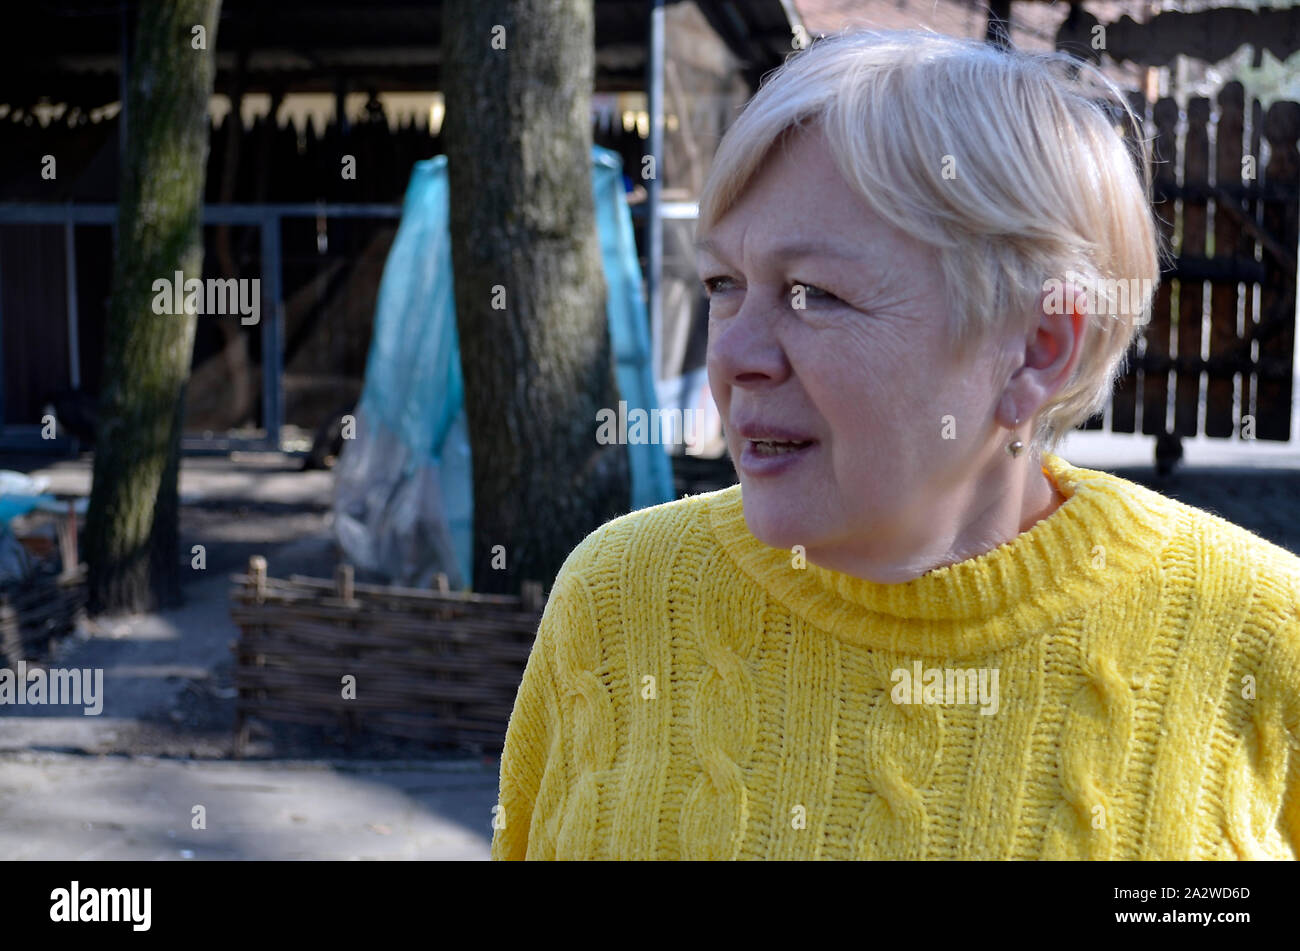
x=1107 y=530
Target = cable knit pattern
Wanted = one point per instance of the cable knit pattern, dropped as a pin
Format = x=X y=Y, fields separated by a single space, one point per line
x=587 y=706
x=696 y=694
x=903 y=745
x=715 y=815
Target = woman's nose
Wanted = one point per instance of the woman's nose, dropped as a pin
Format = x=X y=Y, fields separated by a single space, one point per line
x=744 y=348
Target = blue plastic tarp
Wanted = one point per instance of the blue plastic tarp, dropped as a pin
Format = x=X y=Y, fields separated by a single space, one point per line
x=404 y=487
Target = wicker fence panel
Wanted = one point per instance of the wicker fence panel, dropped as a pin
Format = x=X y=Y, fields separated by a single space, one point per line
x=42 y=609
x=437 y=666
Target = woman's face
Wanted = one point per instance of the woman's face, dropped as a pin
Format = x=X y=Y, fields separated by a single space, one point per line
x=896 y=430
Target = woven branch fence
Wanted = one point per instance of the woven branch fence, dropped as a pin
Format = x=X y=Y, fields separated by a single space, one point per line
x=437 y=666
x=40 y=610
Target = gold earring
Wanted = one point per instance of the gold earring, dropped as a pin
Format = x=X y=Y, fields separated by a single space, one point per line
x=1016 y=447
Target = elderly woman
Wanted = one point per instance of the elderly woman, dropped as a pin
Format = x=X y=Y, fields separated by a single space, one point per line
x=912 y=631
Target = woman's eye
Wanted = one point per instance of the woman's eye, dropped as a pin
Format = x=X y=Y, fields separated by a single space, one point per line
x=800 y=292
x=714 y=284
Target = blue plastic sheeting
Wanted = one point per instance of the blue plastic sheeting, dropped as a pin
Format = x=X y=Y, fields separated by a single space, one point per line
x=11 y=506
x=629 y=331
x=411 y=415
x=413 y=382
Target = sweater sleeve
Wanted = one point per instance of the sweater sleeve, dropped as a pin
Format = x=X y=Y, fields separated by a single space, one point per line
x=534 y=761
x=1290 y=817
x=1291 y=807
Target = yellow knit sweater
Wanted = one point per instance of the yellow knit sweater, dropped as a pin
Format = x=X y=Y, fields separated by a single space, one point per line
x=1122 y=681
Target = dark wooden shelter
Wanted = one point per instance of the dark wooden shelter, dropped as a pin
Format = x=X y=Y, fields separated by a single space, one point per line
x=275 y=207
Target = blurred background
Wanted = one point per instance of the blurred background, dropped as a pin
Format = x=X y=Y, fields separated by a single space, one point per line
x=352 y=469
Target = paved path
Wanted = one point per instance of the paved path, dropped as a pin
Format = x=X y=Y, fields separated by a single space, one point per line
x=65 y=807
x=1100 y=450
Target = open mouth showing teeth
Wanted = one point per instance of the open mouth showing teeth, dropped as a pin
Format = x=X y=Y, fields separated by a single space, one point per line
x=774 y=447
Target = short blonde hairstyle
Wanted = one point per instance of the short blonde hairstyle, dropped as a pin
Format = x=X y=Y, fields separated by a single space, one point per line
x=1014 y=166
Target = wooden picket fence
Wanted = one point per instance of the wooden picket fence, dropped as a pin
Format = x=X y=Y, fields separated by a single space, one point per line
x=1226 y=191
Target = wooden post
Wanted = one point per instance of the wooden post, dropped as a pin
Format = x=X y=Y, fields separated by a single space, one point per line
x=241 y=733
x=1191 y=291
x=530 y=593
x=1123 y=404
x=257 y=577
x=68 y=541
x=1248 y=249
x=1276 y=330
x=1155 y=367
x=344 y=586
x=256 y=584
x=1225 y=344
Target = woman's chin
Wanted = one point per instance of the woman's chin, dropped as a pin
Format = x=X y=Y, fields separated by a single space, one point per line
x=776 y=527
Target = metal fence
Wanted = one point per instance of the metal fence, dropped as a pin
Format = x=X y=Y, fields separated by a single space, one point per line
x=267 y=218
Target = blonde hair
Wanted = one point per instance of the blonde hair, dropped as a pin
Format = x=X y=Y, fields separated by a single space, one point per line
x=1008 y=163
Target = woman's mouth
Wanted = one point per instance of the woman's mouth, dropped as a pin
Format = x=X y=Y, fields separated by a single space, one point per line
x=767 y=457
x=773 y=447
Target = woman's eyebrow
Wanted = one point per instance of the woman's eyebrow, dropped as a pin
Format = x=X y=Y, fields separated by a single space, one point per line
x=792 y=249
x=706 y=246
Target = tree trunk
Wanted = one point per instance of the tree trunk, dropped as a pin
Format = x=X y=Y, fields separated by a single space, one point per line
x=518 y=141
x=132 y=525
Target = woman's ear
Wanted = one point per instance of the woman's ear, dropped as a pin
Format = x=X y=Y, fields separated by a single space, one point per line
x=1052 y=348
x=1059 y=335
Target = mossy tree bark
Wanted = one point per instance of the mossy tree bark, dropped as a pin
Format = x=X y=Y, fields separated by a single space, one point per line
x=517 y=77
x=132 y=525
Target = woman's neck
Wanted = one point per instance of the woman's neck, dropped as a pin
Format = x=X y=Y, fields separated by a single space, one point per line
x=952 y=531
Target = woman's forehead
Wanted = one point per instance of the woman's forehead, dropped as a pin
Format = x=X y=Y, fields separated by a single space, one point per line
x=795 y=182
x=852 y=236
